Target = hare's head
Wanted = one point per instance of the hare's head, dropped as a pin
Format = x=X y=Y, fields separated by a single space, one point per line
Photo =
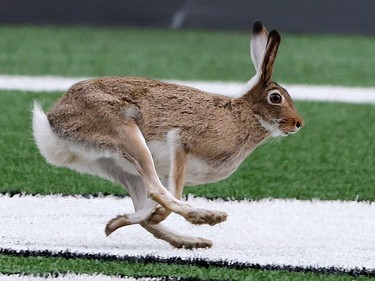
x=271 y=103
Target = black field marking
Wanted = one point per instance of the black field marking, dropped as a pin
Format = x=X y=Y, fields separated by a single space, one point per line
x=120 y=276
x=87 y=196
x=149 y=259
x=105 y=194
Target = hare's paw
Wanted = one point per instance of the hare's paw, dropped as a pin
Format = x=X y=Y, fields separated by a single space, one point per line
x=158 y=215
x=192 y=243
x=203 y=216
x=116 y=223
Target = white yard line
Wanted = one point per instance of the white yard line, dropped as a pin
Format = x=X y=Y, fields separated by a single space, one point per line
x=298 y=92
x=317 y=234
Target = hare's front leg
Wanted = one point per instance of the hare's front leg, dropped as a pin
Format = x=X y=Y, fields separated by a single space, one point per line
x=175 y=184
x=134 y=149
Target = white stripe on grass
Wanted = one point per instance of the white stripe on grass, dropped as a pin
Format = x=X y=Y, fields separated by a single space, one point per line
x=318 y=234
x=69 y=277
x=298 y=92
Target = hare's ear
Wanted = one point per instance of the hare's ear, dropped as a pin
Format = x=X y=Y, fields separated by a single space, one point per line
x=270 y=55
x=258 y=44
x=263 y=49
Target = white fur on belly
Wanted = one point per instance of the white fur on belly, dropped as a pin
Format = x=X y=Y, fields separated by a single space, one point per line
x=160 y=154
x=198 y=171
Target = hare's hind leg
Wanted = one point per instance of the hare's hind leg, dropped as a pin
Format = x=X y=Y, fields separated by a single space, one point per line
x=175 y=239
x=143 y=205
x=138 y=193
x=134 y=149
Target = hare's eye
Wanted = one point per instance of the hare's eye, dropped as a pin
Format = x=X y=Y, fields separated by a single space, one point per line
x=275 y=98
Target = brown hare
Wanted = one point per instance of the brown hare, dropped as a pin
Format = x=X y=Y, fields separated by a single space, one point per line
x=155 y=137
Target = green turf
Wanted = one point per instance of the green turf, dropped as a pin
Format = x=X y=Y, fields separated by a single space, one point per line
x=42 y=265
x=191 y=55
x=331 y=158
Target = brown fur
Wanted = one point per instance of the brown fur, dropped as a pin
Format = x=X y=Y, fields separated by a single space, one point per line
x=211 y=126
x=124 y=114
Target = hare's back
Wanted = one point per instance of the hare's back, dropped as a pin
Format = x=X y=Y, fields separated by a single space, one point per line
x=137 y=89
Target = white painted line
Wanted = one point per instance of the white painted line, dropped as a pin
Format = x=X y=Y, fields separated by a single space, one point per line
x=68 y=277
x=318 y=234
x=37 y=83
x=298 y=92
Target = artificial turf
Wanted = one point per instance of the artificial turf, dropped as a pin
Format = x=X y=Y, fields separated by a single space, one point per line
x=331 y=158
x=183 y=54
x=56 y=266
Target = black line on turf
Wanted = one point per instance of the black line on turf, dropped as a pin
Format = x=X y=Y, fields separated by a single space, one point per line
x=103 y=195
x=186 y=196
x=87 y=196
x=195 y=261
x=152 y=278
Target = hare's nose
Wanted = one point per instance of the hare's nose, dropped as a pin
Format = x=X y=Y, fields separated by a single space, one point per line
x=299 y=123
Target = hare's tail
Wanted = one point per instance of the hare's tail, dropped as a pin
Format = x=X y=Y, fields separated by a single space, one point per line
x=49 y=145
x=60 y=152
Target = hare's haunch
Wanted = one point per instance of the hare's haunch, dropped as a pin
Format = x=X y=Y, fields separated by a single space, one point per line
x=155 y=137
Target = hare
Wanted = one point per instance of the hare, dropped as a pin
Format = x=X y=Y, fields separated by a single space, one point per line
x=155 y=137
